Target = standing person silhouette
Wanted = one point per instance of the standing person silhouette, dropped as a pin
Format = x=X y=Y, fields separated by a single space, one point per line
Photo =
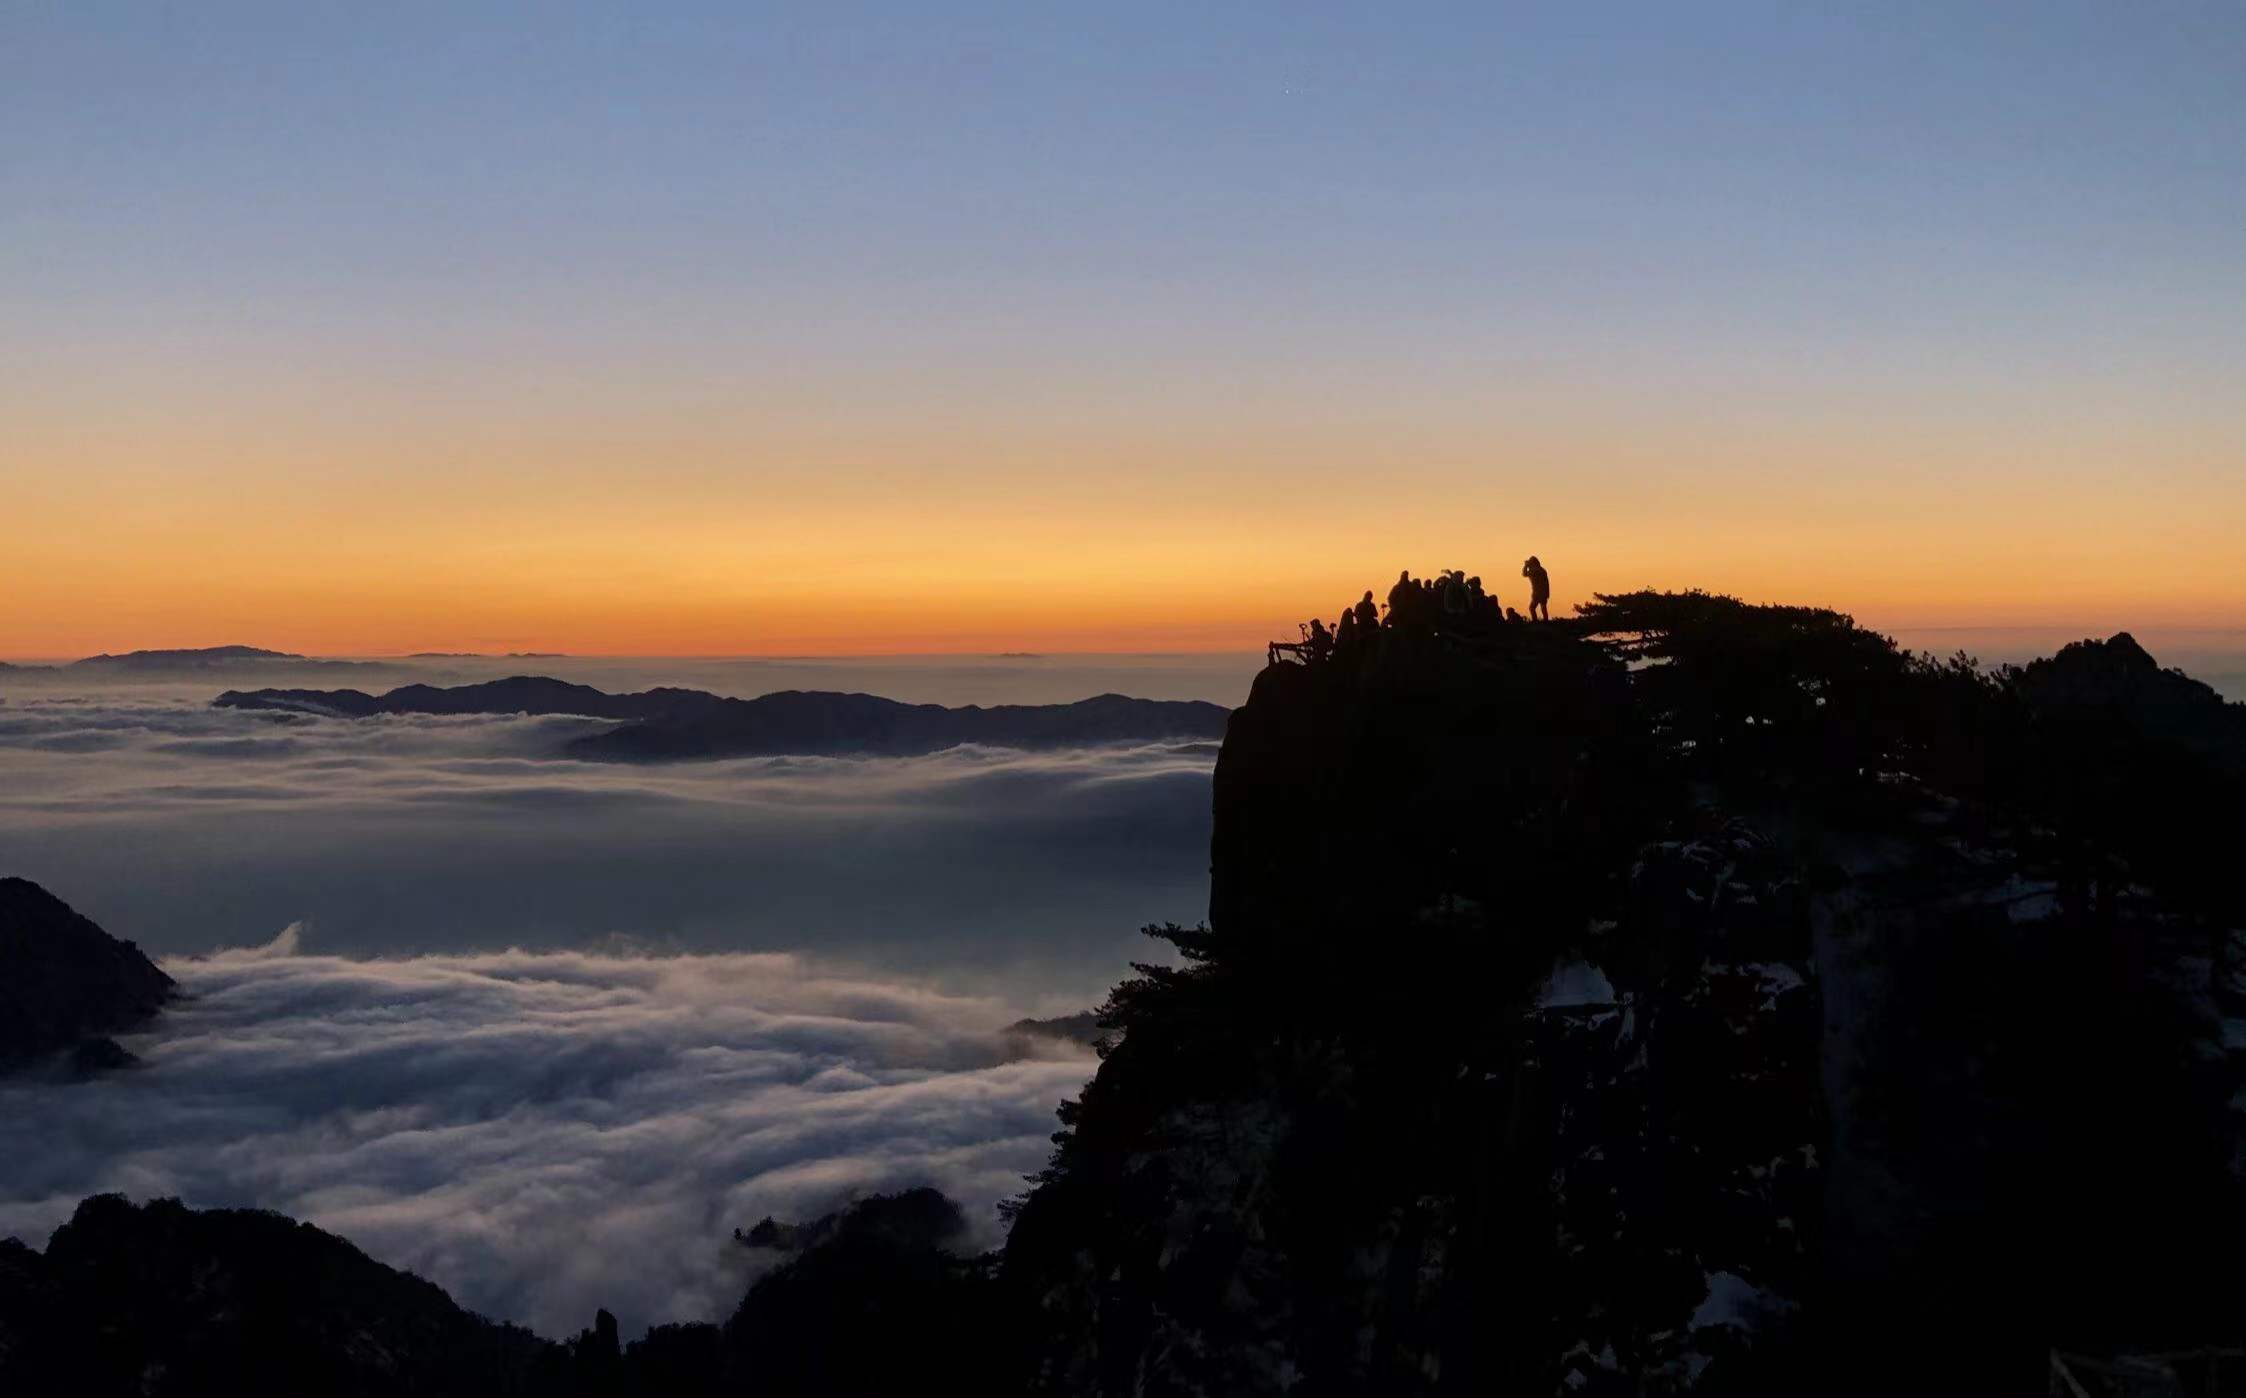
x=1402 y=598
x=1540 y=589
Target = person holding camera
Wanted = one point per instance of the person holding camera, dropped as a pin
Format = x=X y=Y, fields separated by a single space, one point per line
x=1540 y=589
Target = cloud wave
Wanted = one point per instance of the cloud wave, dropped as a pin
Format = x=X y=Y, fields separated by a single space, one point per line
x=545 y=1133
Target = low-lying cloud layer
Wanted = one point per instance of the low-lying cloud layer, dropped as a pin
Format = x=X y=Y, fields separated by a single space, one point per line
x=547 y=1131
x=184 y=827
x=543 y=1134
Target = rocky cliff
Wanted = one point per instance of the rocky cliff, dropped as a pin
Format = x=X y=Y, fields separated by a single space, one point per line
x=1496 y=1065
x=1699 y=997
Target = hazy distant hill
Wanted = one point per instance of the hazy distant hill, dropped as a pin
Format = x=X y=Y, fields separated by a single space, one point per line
x=151 y=664
x=205 y=655
x=679 y=724
x=210 y=658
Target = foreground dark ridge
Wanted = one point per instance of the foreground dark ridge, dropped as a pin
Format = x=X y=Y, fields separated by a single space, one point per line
x=674 y=724
x=1692 y=997
x=163 y=1301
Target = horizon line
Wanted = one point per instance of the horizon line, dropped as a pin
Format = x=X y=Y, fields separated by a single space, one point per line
x=378 y=657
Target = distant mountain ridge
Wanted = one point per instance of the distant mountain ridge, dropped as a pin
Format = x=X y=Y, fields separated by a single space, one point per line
x=192 y=660
x=682 y=724
x=199 y=655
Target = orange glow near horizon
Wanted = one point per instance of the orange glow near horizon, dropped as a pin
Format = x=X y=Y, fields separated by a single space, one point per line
x=730 y=537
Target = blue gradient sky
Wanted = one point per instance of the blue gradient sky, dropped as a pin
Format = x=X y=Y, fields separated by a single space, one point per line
x=367 y=326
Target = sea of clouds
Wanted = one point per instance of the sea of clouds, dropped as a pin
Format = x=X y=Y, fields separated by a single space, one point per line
x=546 y=1133
x=186 y=827
x=546 y=1031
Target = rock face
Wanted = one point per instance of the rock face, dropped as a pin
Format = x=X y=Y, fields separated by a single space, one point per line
x=65 y=983
x=2116 y=680
x=680 y=724
x=1780 y=1012
x=1497 y=1063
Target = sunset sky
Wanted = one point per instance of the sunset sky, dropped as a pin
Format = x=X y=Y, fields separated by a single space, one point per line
x=726 y=328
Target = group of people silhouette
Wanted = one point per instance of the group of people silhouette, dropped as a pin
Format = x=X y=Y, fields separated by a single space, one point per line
x=1451 y=602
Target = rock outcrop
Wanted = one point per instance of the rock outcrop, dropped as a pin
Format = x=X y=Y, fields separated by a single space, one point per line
x=65 y=984
x=1496 y=1065
x=1697 y=997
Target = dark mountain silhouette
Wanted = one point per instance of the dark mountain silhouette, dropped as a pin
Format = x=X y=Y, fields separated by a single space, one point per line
x=888 y=1266
x=678 y=724
x=163 y=1300
x=1685 y=996
x=65 y=983
x=519 y=694
x=1691 y=995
